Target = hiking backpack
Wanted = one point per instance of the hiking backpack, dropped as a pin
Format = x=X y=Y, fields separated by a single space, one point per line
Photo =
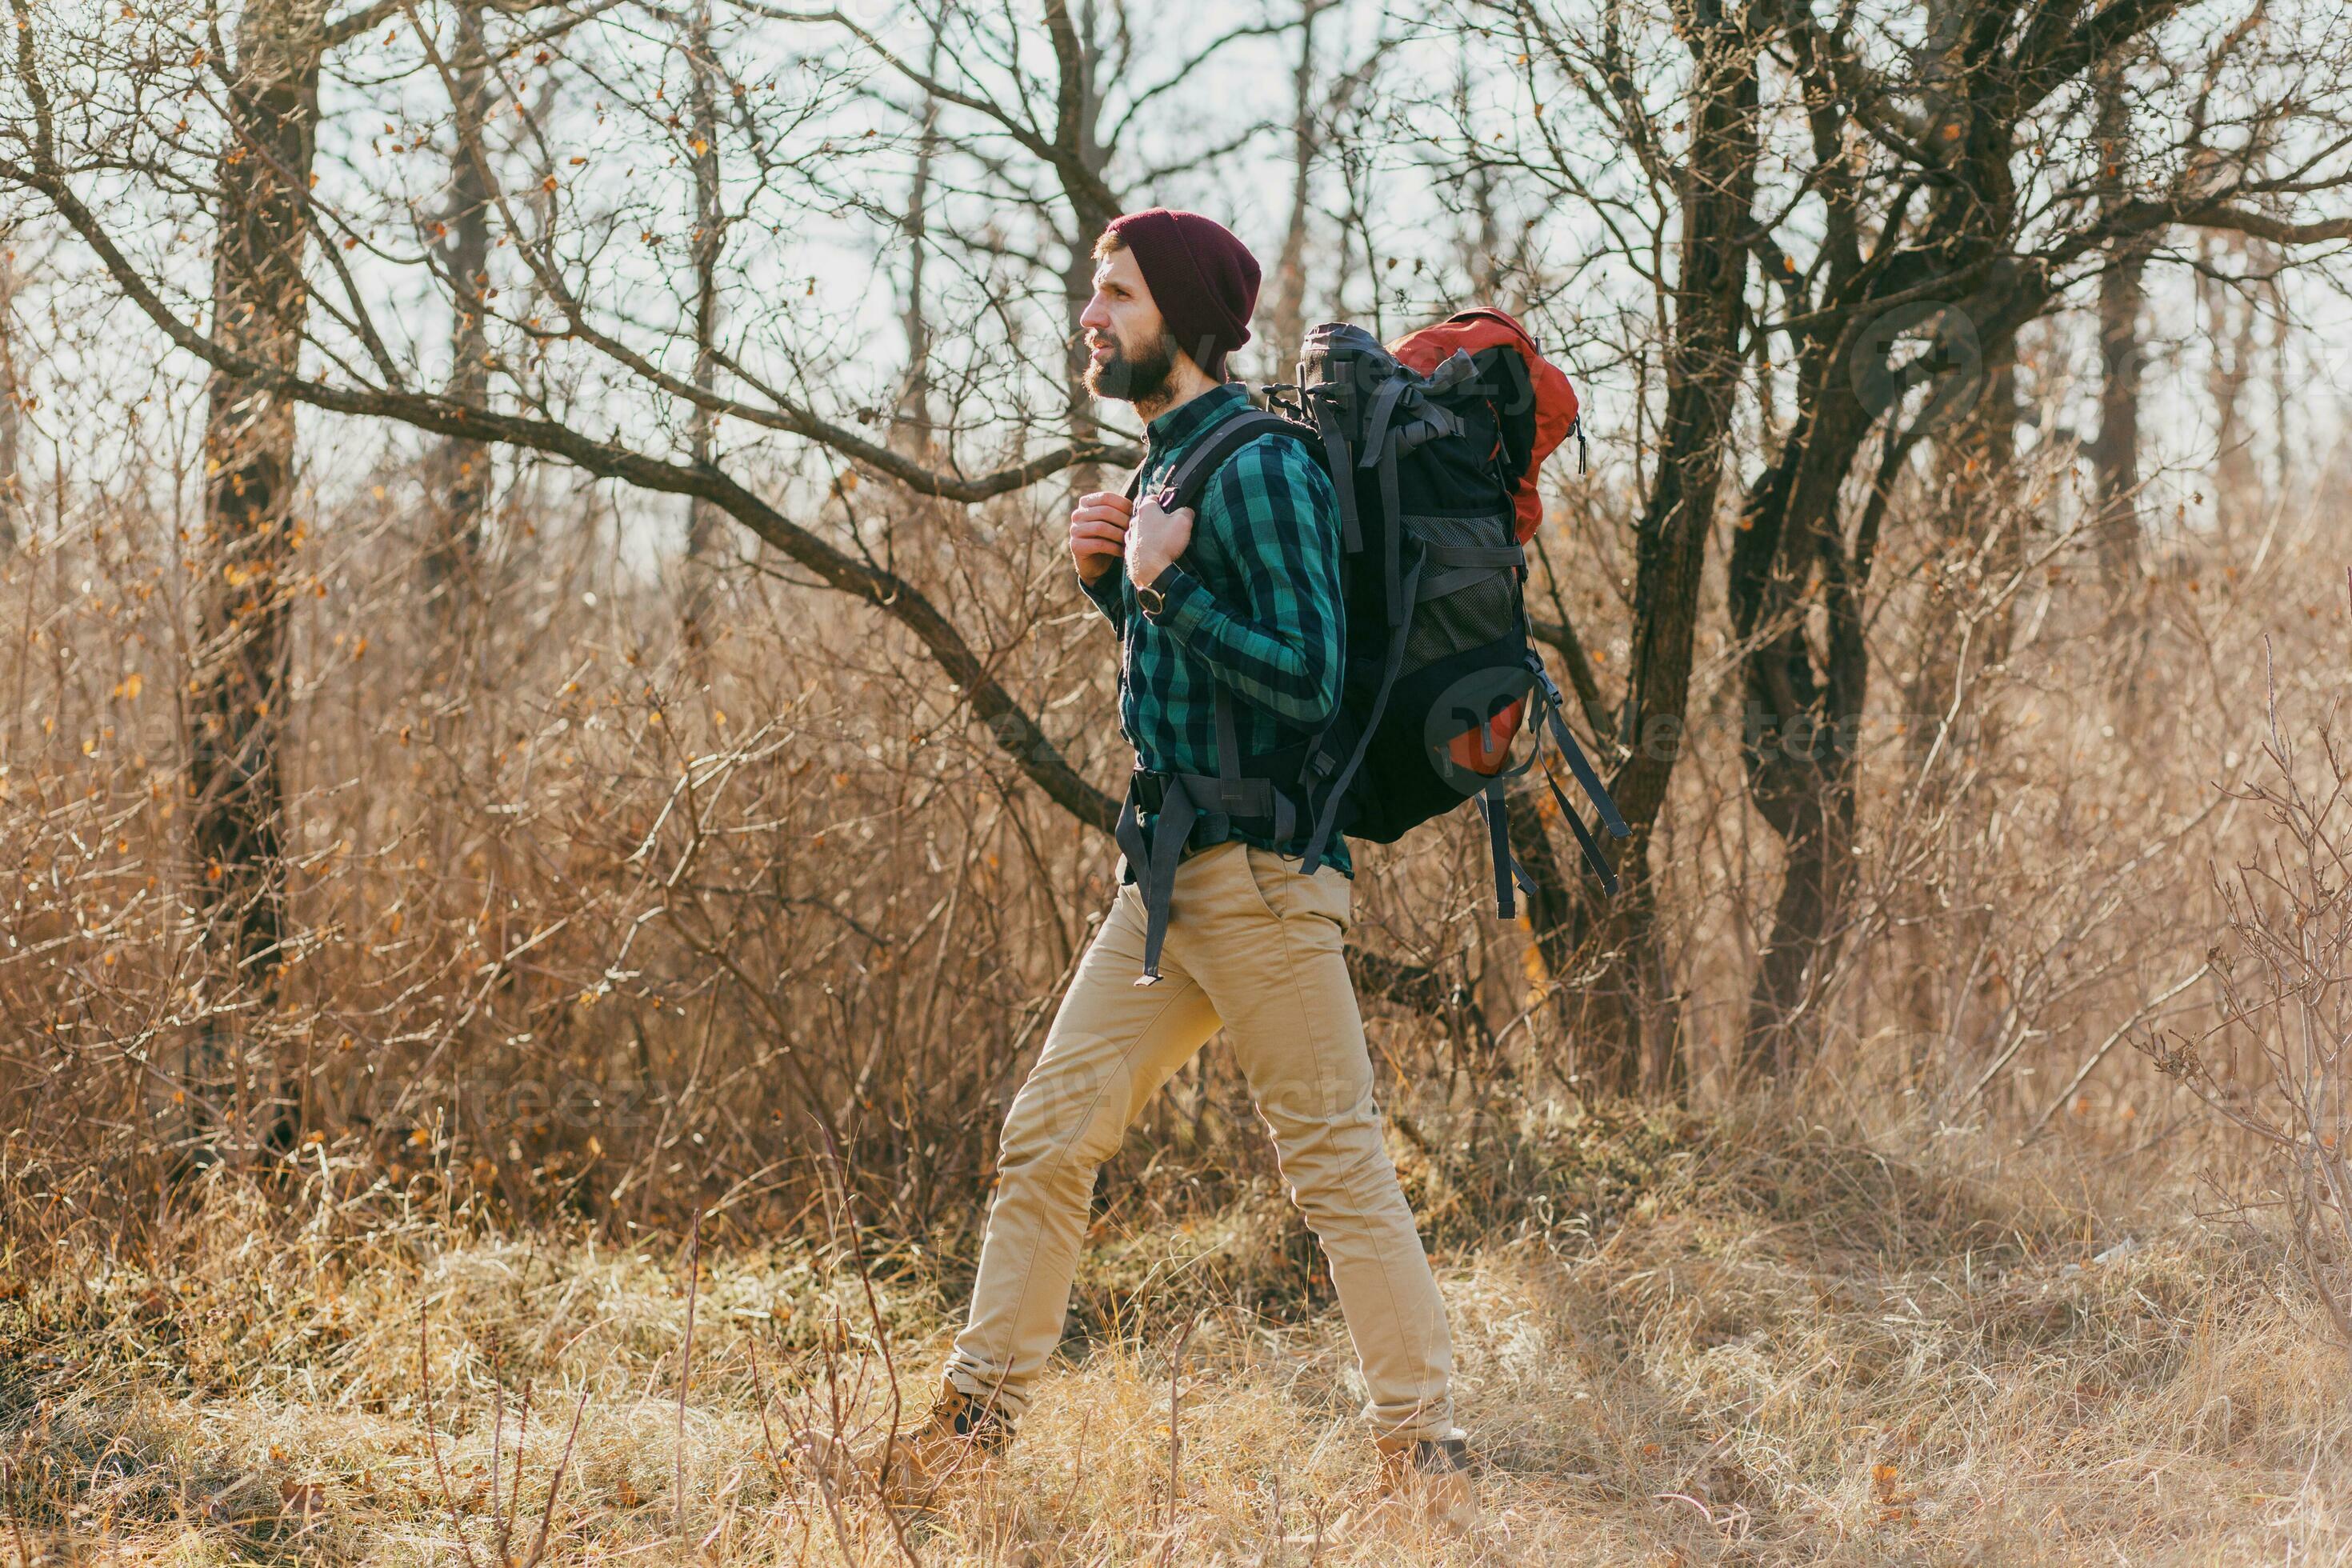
x=1432 y=445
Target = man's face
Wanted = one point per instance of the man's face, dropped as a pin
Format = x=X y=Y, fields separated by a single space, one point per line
x=1127 y=352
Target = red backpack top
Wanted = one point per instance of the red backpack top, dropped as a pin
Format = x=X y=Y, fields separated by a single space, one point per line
x=1554 y=413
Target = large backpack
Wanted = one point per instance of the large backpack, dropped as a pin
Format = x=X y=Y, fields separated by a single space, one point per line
x=1432 y=445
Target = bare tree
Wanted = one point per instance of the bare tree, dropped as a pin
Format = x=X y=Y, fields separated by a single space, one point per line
x=1706 y=176
x=238 y=704
x=706 y=245
x=13 y=499
x=2123 y=295
x=459 y=479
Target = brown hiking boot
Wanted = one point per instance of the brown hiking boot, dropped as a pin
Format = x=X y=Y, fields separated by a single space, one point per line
x=1427 y=1479
x=958 y=1436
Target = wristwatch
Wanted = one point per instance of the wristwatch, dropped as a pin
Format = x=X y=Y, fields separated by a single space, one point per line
x=1150 y=596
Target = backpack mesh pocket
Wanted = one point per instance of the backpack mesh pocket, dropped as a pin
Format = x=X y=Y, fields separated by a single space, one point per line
x=1470 y=616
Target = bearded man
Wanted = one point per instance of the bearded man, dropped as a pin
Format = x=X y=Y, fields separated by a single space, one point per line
x=1229 y=618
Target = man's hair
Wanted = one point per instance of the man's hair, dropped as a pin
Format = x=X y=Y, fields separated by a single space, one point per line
x=1109 y=240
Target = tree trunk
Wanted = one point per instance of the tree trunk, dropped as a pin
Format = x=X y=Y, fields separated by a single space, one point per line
x=1801 y=707
x=14 y=509
x=1628 y=1014
x=911 y=428
x=2231 y=319
x=237 y=692
x=459 y=472
x=1092 y=207
x=1288 y=329
x=703 y=521
x=2115 y=452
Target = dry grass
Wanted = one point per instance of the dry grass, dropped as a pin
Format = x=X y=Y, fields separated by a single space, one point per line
x=1760 y=1342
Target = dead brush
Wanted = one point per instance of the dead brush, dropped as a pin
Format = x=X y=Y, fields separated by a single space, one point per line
x=2273 y=1066
x=503 y=1514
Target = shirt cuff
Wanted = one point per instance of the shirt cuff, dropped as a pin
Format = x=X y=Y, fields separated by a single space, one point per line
x=1109 y=592
x=1183 y=603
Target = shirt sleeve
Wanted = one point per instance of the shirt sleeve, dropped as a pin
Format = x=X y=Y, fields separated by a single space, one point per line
x=1109 y=592
x=1271 y=512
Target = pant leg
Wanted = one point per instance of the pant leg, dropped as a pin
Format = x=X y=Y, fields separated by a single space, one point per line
x=1265 y=944
x=1112 y=1046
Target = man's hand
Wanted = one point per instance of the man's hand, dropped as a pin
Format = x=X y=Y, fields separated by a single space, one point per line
x=1099 y=533
x=1155 y=538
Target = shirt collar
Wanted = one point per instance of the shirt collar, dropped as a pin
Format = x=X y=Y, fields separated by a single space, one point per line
x=1179 y=423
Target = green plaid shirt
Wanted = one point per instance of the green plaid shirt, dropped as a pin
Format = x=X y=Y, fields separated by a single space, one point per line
x=1255 y=604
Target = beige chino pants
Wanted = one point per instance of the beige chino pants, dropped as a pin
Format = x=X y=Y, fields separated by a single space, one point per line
x=1256 y=946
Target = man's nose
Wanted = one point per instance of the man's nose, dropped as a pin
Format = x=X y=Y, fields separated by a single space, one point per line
x=1095 y=317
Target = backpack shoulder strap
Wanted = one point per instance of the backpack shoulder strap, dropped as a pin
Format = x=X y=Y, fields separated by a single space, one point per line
x=1230 y=434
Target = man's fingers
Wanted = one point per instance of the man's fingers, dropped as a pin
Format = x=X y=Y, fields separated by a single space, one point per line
x=1108 y=533
x=1112 y=498
x=1099 y=515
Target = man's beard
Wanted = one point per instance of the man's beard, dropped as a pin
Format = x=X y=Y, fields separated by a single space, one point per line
x=1133 y=378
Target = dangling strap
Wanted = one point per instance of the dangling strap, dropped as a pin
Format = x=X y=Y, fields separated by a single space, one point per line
x=1496 y=806
x=1593 y=856
x=1155 y=867
x=1579 y=766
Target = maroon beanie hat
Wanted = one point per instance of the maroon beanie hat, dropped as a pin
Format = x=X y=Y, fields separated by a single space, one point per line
x=1203 y=279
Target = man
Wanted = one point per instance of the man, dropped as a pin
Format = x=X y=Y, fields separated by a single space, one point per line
x=1229 y=622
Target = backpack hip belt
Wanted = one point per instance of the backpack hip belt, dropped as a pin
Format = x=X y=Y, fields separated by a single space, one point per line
x=1191 y=811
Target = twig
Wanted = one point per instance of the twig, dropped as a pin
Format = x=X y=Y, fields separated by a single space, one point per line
x=15 y=1525
x=686 y=1365
x=433 y=1437
x=1175 y=1435
x=759 y=1394
x=555 y=1482
x=514 y=1491
x=2090 y=1063
x=497 y=1431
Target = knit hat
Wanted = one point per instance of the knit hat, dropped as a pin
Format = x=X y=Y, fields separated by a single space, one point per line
x=1203 y=279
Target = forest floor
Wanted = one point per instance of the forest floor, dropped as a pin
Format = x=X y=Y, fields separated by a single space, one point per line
x=1747 y=1344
